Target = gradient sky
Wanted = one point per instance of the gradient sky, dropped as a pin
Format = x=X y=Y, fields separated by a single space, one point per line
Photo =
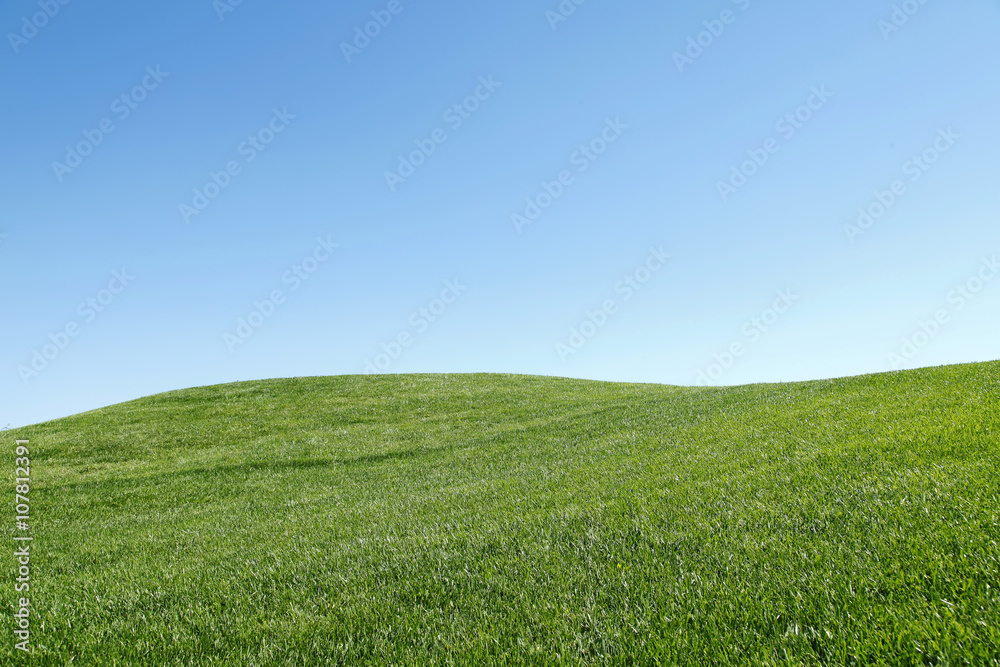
x=557 y=85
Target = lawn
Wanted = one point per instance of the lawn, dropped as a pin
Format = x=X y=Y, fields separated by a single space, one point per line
x=500 y=519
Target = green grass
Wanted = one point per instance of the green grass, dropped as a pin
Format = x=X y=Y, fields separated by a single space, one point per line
x=497 y=519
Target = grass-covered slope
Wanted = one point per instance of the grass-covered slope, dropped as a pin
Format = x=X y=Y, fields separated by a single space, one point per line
x=487 y=519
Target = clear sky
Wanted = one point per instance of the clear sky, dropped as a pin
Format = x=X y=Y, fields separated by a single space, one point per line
x=199 y=192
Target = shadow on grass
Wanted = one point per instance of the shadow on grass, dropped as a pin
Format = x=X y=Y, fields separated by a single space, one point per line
x=235 y=471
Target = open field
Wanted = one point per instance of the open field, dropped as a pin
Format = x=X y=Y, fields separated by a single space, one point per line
x=488 y=519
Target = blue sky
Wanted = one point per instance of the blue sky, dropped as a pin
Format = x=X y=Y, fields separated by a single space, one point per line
x=625 y=191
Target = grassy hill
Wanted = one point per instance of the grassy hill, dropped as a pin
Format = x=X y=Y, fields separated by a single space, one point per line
x=496 y=519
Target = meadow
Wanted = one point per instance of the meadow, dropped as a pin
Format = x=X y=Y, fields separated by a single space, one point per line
x=518 y=520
